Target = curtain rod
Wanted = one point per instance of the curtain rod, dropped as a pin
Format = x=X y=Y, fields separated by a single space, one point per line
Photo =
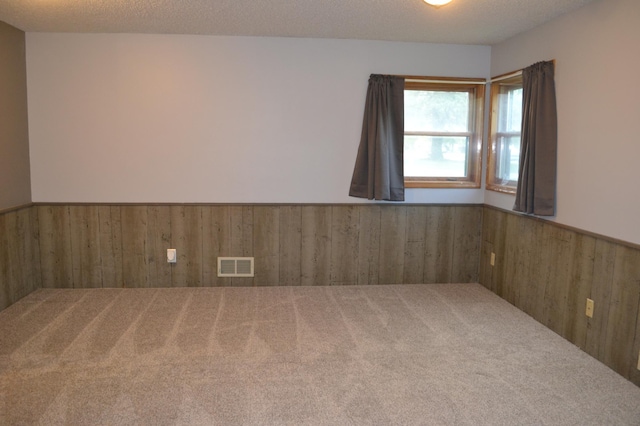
x=447 y=80
x=453 y=80
x=513 y=74
x=428 y=80
x=506 y=76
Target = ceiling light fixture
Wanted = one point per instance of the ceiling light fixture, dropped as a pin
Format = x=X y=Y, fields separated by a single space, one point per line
x=437 y=3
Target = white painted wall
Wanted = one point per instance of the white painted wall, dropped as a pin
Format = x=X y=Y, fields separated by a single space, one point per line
x=167 y=118
x=597 y=52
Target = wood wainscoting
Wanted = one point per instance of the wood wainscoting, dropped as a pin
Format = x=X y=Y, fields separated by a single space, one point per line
x=125 y=245
x=549 y=271
x=19 y=254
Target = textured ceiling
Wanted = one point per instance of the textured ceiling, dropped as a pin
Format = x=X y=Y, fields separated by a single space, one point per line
x=461 y=22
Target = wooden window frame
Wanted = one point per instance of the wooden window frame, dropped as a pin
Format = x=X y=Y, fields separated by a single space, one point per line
x=476 y=89
x=493 y=183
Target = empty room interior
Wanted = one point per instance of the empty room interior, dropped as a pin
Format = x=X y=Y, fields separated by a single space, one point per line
x=224 y=212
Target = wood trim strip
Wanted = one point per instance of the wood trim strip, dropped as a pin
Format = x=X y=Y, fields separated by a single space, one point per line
x=570 y=228
x=376 y=203
x=16 y=208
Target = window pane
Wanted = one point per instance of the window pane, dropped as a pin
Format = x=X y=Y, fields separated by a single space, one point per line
x=435 y=156
x=510 y=104
x=508 y=150
x=436 y=111
x=504 y=155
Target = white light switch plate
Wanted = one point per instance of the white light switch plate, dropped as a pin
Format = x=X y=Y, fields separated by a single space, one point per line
x=172 y=256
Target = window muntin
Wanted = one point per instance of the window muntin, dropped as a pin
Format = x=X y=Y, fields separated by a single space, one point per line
x=504 y=150
x=442 y=133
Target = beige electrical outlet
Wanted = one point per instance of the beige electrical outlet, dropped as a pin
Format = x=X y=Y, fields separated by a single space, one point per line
x=638 y=361
x=493 y=259
x=589 y=310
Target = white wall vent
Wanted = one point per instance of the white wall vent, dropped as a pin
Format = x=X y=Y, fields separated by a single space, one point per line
x=235 y=266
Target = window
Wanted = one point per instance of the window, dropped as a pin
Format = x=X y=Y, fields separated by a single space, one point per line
x=504 y=149
x=443 y=133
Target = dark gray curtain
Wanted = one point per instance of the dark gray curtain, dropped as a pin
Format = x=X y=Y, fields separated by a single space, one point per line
x=379 y=170
x=536 y=190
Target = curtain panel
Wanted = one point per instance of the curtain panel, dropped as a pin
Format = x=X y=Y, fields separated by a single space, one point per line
x=536 y=189
x=379 y=170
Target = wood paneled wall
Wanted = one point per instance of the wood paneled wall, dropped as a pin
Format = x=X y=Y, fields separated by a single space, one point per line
x=549 y=272
x=125 y=246
x=19 y=255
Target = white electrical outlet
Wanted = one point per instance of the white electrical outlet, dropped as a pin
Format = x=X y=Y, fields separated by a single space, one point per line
x=172 y=256
x=493 y=259
x=590 y=307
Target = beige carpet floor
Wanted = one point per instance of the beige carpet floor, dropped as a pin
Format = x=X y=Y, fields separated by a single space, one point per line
x=452 y=354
